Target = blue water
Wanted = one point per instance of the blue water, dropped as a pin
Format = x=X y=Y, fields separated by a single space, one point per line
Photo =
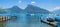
x=25 y=20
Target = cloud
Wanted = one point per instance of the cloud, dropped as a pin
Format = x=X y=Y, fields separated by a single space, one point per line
x=33 y=3
x=57 y=8
x=20 y=1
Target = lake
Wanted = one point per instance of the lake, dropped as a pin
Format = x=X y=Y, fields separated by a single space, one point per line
x=25 y=20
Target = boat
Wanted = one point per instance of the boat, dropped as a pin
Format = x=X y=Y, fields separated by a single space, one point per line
x=54 y=24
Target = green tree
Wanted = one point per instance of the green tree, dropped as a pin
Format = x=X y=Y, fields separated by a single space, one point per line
x=7 y=11
x=0 y=10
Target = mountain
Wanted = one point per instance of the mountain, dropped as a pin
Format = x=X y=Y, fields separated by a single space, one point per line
x=34 y=9
x=14 y=9
x=29 y=9
x=56 y=11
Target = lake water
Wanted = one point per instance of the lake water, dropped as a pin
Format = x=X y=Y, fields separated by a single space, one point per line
x=24 y=20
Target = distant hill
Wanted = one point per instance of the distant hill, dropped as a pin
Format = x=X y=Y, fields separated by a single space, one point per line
x=35 y=9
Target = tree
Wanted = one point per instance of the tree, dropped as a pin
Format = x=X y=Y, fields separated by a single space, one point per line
x=0 y=10
x=7 y=11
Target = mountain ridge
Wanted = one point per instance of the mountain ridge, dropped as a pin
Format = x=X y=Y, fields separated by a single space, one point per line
x=35 y=9
x=29 y=9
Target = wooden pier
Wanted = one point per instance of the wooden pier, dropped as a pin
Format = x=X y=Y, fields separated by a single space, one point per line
x=4 y=18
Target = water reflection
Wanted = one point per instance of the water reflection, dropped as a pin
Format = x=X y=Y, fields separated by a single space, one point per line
x=24 y=20
x=2 y=24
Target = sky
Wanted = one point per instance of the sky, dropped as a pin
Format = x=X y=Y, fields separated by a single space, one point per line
x=50 y=5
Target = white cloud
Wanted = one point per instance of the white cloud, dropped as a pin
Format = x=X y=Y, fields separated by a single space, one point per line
x=57 y=8
x=54 y=9
x=33 y=3
x=20 y=1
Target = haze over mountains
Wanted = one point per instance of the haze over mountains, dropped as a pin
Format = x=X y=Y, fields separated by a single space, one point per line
x=29 y=9
x=57 y=11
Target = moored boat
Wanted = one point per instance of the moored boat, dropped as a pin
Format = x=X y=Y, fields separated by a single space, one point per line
x=53 y=23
